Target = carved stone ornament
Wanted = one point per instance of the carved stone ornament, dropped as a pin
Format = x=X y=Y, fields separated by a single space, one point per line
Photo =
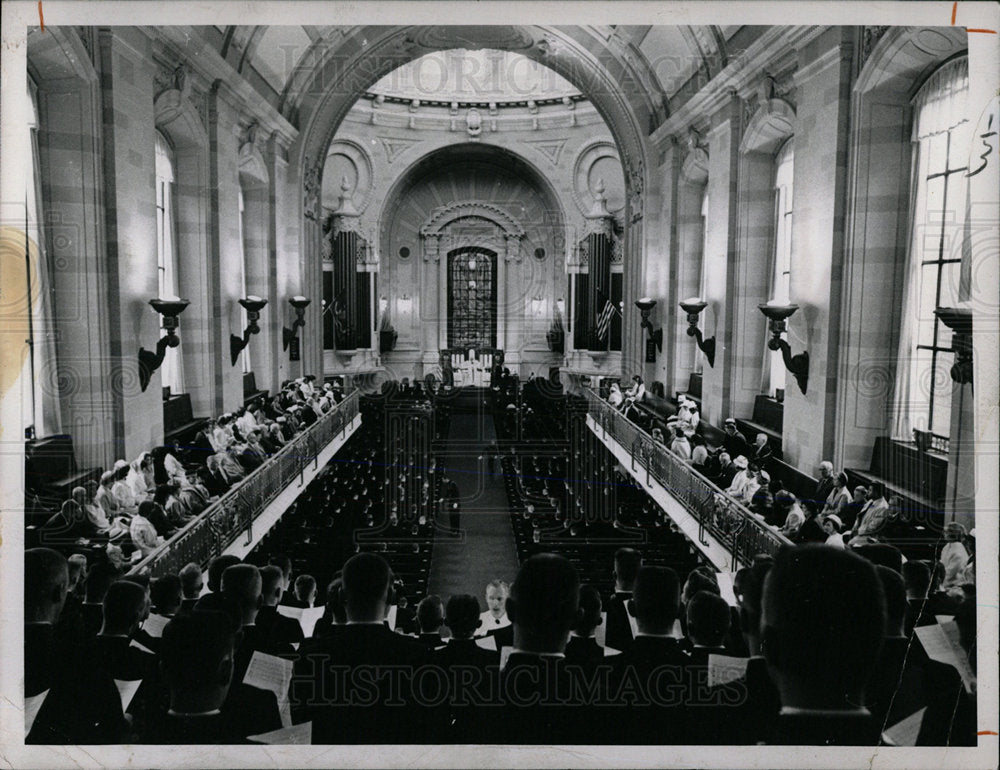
x=473 y=123
x=311 y=188
x=870 y=39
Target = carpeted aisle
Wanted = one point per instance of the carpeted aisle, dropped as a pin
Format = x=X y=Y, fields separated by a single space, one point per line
x=485 y=550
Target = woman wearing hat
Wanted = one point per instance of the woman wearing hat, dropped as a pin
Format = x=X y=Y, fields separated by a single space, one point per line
x=832 y=526
x=954 y=556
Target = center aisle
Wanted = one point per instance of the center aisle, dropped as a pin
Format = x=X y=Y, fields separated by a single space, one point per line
x=485 y=550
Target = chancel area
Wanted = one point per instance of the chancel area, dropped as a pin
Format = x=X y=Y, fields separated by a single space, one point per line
x=503 y=384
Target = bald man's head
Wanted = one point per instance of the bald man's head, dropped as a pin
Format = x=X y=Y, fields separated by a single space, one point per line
x=46 y=580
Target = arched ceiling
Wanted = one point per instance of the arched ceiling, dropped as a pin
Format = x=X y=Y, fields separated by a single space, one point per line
x=652 y=63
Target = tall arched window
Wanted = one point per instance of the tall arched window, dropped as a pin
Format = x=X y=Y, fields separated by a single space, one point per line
x=784 y=162
x=40 y=405
x=171 y=373
x=240 y=224
x=699 y=360
x=940 y=137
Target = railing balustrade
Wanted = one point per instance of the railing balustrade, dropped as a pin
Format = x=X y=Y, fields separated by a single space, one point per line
x=222 y=523
x=727 y=520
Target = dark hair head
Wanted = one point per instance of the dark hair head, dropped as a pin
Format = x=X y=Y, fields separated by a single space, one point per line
x=226 y=606
x=462 y=614
x=917 y=578
x=698 y=581
x=430 y=614
x=882 y=553
x=366 y=579
x=165 y=593
x=46 y=578
x=196 y=651
x=242 y=582
x=271 y=580
x=627 y=563
x=284 y=563
x=590 y=610
x=545 y=595
x=335 y=600
x=99 y=577
x=708 y=619
x=147 y=508
x=217 y=566
x=124 y=606
x=304 y=586
x=657 y=598
x=191 y=580
x=823 y=621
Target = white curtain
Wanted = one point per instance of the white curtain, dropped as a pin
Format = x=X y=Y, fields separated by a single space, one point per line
x=171 y=372
x=773 y=368
x=938 y=208
x=699 y=359
x=245 y=356
x=39 y=376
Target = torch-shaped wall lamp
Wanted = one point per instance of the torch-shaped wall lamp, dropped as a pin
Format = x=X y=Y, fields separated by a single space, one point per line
x=693 y=308
x=300 y=304
x=798 y=365
x=646 y=305
x=959 y=320
x=253 y=305
x=149 y=361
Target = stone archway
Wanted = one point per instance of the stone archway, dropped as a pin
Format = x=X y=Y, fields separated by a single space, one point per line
x=331 y=77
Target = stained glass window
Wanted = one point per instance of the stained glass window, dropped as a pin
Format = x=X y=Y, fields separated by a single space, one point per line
x=472 y=299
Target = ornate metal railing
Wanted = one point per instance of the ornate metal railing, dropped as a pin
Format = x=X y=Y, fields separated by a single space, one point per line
x=233 y=515
x=727 y=520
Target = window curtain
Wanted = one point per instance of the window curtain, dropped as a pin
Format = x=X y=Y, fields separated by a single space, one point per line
x=699 y=360
x=171 y=371
x=772 y=376
x=40 y=400
x=940 y=140
x=247 y=368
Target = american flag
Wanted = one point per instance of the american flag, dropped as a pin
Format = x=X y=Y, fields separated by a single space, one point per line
x=604 y=320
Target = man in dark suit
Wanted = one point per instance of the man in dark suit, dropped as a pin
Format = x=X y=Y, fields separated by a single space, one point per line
x=191 y=585
x=81 y=704
x=99 y=579
x=619 y=630
x=734 y=442
x=471 y=670
x=811 y=591
x=582 y=648
x=196 y=656
x=707 y=625
x=251 y=710
x=648 y=679
x=277 y=629
x=355 y=684
x=430 y=617
x=541 y=696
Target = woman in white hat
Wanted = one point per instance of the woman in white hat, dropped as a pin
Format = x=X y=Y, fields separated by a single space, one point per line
x=832 y=526
x=954 y=556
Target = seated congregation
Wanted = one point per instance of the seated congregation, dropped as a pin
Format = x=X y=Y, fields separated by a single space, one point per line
x=827 y=651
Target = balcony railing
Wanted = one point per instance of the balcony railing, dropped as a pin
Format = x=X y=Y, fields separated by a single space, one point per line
x=232 y=515
x=728 y=521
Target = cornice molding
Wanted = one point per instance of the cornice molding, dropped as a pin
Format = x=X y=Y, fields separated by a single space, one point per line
x=739 y=75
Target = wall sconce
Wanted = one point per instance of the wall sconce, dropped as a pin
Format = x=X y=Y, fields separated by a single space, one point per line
x=646 y=305
x=538 y=307
x=300 y=304
x=561 y=306
x=798 y=365
x=149 y=361
x=693 y=308
x=959 y=320
x=253 y=305
x=383 y=305
x=404 y=304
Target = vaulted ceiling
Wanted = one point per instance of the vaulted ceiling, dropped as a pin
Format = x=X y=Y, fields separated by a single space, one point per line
x=657 y=61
